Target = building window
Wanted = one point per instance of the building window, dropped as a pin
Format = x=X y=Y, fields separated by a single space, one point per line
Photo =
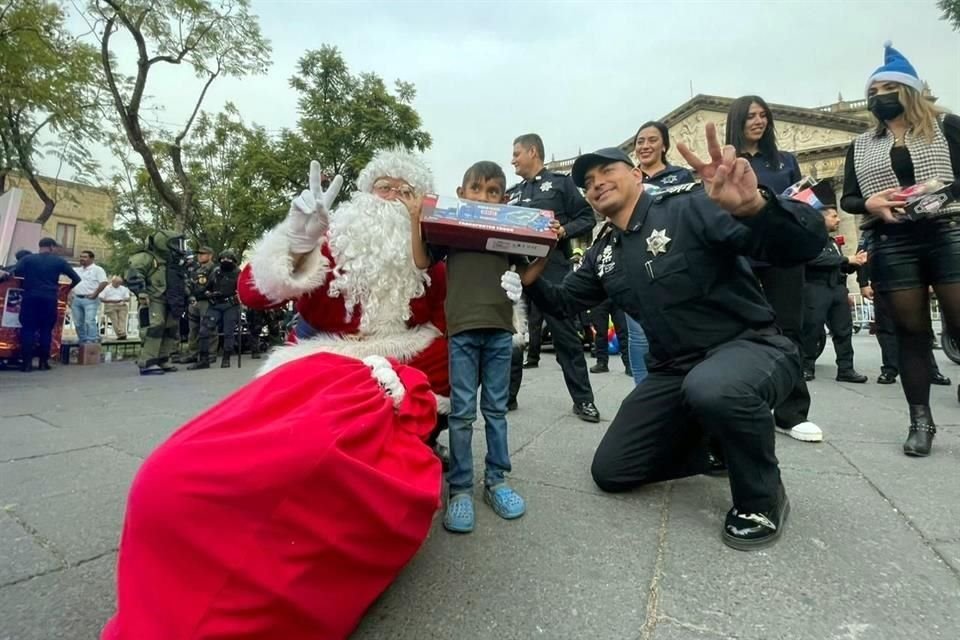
x=66 y=238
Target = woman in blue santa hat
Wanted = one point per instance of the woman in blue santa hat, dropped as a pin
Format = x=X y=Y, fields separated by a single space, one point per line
x=913 y=143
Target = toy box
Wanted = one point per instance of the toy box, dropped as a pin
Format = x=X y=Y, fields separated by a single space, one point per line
x=500 y=228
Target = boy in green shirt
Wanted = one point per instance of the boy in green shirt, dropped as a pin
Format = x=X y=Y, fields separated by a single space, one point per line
x=480 y=332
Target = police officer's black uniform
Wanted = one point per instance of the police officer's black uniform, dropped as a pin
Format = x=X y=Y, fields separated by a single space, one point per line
x=826 y=298
x=718 y=363
x=558 y=193
x=197 y=275
x=224 y=309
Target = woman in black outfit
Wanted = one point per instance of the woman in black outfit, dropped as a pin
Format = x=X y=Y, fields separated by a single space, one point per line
x=750 y=129
x=913 y=143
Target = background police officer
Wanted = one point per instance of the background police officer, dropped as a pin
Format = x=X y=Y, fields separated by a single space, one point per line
x=542 y=189
x=223 y=309
x=675 y=262
x=826 y=298
x=198 y=272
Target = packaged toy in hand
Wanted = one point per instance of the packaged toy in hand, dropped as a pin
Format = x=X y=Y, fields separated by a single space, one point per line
x=925 y=199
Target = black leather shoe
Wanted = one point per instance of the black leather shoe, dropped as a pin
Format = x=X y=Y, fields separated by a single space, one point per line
x=44 y=365
x=886 y=378
x=587 y=411
x=512 y=405
x=920 y=436
x=809 y=375
x=629 y=371
x=851 y=376
x=941 y=380
x=599 y=368
x=530 y=365
x=225 y=362
x=749 y=531
x=199 y=364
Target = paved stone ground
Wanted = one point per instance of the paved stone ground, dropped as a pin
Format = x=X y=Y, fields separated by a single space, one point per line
x=872 y=550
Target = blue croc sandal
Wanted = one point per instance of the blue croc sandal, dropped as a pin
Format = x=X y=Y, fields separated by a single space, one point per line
x=504 y=501
x=459 y=517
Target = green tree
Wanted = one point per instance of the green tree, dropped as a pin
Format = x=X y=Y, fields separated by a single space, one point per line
x=48 y=93
x=345 y=118
x=951 y=12
x=213 y=38
x=238 y=182
x=238 y=178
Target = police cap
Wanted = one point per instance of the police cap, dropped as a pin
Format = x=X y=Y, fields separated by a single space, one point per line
x=588 y=161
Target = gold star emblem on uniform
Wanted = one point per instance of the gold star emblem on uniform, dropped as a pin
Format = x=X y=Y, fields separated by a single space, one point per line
x=546 y=186
x=657 y=242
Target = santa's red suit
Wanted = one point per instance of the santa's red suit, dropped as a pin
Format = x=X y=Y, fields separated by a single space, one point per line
x=359 y=292
x=286 y=509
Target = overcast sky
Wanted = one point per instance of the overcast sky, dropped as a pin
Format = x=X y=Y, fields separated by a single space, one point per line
x=581 y=74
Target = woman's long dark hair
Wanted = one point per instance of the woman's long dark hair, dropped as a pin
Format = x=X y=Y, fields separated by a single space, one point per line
x=737 y=118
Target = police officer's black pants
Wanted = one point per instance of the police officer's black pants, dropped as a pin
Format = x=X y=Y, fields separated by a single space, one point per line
x=535 y=329
x=516 y=373
x=227 y=315
x=569 y=352
x=827 y=304
x=38 y=317
x=601 y=315
x=783 y=288
x=887 y=338
x=662 y=428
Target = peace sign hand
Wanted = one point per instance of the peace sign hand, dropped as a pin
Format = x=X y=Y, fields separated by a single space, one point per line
x=728 y=180
x=309 y=215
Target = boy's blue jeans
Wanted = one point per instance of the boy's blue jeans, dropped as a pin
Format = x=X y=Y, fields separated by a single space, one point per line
x=479 y=356
x=638 y=347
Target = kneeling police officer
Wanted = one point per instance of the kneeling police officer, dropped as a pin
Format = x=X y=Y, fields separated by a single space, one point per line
x=718 y=364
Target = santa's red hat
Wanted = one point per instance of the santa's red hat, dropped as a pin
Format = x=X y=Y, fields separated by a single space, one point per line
x=396 y=163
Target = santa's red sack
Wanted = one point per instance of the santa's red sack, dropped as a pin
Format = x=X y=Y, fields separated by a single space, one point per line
x=282 y=512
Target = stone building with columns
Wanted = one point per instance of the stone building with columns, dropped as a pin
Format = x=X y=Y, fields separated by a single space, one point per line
x=818 y=136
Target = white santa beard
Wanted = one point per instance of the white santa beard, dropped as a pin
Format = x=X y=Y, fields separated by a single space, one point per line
x=370 y=243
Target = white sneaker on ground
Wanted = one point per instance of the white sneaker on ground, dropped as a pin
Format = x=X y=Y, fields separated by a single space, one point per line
x=805 y=432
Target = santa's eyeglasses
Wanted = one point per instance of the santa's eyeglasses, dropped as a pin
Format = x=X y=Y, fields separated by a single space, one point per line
x=386 y=189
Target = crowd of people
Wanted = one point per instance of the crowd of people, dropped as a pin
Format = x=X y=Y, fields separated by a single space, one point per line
x=718 y=285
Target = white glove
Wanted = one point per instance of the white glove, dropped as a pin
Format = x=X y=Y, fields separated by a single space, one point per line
x=510 y=283
x=309 y=214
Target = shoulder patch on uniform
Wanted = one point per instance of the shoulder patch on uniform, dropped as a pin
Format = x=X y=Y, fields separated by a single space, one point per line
x=666 y=192
x=680 y=188
x=605 y=231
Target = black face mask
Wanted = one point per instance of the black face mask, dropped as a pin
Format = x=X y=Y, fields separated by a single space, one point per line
x=227 y=266
x=886 y=106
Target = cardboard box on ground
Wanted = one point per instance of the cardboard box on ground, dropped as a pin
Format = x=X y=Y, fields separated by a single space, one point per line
x=89 y=353
x=500 y=228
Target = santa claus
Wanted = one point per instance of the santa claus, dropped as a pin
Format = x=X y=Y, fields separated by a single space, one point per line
x=352 y=276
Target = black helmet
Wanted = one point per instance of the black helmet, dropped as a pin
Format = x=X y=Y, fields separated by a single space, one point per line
x=229 y=254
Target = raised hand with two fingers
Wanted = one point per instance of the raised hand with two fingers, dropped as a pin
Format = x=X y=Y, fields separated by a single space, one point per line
x=728 y=180
x=309 y=215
